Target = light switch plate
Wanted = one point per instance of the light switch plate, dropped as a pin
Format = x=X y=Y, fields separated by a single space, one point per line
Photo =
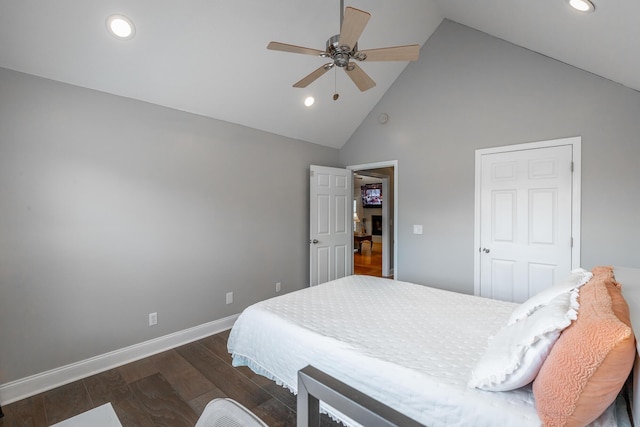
x=417 y=229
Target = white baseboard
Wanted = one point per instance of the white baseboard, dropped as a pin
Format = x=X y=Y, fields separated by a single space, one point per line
x=35 y=384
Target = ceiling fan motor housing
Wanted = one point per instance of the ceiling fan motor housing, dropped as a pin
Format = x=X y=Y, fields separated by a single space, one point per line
x=339 y=54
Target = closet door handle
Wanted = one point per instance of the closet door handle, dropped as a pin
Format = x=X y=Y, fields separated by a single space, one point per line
x=314 y=241
x=486 y=250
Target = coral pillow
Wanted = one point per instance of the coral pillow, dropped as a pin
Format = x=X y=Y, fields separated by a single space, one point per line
x=591 y=360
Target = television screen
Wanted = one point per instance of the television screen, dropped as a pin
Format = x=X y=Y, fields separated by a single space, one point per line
x=371 y=195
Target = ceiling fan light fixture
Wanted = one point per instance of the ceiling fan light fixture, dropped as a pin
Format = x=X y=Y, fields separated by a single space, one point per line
x=308 y=102
x=121 y=27
x=582 y=5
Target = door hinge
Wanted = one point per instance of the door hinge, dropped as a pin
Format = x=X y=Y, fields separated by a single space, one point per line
x=311 y=173
x=571 y=241
x=571 y=167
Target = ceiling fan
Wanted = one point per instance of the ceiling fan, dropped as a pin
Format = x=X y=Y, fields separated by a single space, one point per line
x=342 y=49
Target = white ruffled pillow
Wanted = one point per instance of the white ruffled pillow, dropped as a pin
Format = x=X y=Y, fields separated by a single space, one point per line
x=516 y=353
x=577 y=278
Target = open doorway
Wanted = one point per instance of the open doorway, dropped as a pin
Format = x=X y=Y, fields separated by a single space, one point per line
x=374 y=208
x=367 y=217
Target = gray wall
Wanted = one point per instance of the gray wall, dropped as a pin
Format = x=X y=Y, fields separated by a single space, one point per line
x=112 y=208
x=470 y=90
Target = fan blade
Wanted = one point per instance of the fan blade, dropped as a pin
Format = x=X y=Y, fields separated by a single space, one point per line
x=396 y=53
x=314 y=76
x=359 y=77
x=353 y=24
x=294 y=49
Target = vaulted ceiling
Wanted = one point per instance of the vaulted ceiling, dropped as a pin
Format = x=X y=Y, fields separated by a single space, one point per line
x=210 y=57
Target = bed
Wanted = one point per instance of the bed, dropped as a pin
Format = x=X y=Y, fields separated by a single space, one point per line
x=412 y=347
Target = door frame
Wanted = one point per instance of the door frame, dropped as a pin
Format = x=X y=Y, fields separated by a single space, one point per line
x=576 y=178
x=378 y=165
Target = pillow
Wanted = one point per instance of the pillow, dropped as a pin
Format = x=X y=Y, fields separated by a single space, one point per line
x=514 y=356
x=577 y=278
x=591 y=360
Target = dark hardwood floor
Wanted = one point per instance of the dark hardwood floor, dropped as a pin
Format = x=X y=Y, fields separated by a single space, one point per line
x=169 y=389
x=369 y=262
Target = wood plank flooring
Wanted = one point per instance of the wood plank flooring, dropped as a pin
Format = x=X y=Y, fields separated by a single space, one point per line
x=369 y=262
x=169 y=389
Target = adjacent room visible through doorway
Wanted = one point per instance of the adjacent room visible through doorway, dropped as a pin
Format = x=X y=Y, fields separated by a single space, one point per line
x=374 y=211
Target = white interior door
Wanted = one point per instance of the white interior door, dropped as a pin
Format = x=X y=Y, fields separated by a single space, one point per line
x=526 y=238
x=331 y=237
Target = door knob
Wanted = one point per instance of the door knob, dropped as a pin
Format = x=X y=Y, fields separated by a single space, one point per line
x=486 y=250
x=314 y=241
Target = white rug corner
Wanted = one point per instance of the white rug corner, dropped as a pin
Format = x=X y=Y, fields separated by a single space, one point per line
x=102 y=416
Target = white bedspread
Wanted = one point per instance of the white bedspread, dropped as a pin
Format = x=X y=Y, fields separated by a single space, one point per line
x=409 y=346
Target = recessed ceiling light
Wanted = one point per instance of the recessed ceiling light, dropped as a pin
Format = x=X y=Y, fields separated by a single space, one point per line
x=121 y=27
x=582 y=5
x=309 y=101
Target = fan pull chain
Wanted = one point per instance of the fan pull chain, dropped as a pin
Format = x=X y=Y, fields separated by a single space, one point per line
x=336 y=95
